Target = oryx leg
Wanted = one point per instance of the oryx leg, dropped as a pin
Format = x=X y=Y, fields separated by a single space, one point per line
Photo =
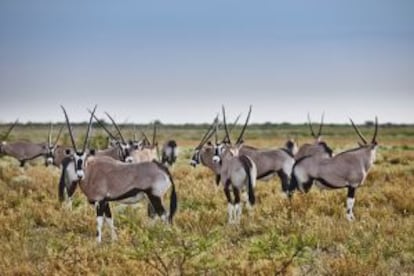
x=159 y=209
x=237 y=206
x=151 y=211
x=230 y=206
x=218 y=178
x=350 y=200
x=99 y=219
x=284 y=179
x=109 y=220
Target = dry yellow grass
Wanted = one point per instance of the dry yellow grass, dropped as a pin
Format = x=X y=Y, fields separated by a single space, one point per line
x=307 y=236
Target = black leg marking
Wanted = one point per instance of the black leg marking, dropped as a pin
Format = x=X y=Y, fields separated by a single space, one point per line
x=22 y=162
x=351 y=192
x=227 y=191
x=236 y=193
x=151 y=211
x=107 y=210
x=157 y=204
x=284 y=179
x=218 y=178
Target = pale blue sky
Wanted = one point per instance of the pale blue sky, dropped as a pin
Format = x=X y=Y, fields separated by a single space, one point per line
x=178 y=61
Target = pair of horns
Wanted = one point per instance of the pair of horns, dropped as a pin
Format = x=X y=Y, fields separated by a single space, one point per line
x=364 y=140
x=210 y=131
x=87 y=132
x=50 y=135
x=100 y=122
x=154 y=135
x=320 y=126
x=6 y=135
x=240 y=138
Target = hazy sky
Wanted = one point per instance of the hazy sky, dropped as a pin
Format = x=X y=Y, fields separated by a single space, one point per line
x=178 y=61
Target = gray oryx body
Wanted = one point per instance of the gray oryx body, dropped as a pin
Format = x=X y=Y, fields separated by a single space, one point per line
x=345 y=170
x=271 y=162
x=236 y=172
x=24 y=151
x=103 y=179
x=169 y=152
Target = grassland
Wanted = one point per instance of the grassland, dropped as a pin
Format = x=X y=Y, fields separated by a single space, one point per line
x=307 y=236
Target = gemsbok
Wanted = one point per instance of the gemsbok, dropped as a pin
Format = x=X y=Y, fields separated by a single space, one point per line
x=23 y=151
x=236 y=172
x=103 y=179
x=347 y=169
x=169 y=152
x=204 y=152
x=319 y=147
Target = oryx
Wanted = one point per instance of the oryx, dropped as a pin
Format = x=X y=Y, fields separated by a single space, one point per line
x=22 y=150
x=103 y=179
x=52 y=149
x=345 y=170
x=169 y=152
x=319 y=147
x=121 y=149
x=204 y=152
x=147 y=151
x=236 y=172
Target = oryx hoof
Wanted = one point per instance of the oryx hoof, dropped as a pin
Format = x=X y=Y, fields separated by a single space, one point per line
x=350 y=217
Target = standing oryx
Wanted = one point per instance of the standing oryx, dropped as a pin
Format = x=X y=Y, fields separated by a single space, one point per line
x=22 y=150
x=236 y=172
x=52 y=148
x=169 y=152
x=148 y=151
x=345 y=170
x=103 y=179
x=204 y=152
x=319 y=147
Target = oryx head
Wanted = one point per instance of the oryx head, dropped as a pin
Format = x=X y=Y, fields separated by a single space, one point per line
x=120 y=143
x=79 y=156
x=51 y=147
x=6 y=135
x=374 y=143
x=227 y=148
x=195 y=159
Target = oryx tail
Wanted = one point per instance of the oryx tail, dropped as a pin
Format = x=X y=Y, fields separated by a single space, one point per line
x=248 y=165
x=173 y=195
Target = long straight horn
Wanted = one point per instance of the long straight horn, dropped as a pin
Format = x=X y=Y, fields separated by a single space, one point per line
x=6 y=135
x=358 y=132
x=103 y=125
x=235 y=123
x=49 y=137
x=374 y=138
x=145 y=137
x=88 y=132
x=225 y=125
x=58 y=136
x=154 y=133
x=70 y=129
x=321 y=125
x=209 y=133
x=310 y=126
x=116 y=127
x=239 y=140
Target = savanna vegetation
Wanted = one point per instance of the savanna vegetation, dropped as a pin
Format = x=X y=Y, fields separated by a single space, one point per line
x=308 y=235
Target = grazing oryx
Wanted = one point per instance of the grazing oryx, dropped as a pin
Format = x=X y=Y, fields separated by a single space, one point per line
x=169 y=152
x=21 y=150
x=345 y=170
x=204 y=152
x=236 y=172
x=103 y=179
x=318 y=147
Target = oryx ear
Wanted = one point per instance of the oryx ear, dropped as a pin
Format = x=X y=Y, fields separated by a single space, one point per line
x=92 y=152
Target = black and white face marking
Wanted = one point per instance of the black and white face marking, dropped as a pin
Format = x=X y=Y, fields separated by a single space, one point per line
x=50 y=155
x=218 y=151
x=195 y=160
x=125 y=152
x=79 y=159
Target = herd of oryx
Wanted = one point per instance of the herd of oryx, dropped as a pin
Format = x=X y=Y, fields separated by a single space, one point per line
x=130 y=170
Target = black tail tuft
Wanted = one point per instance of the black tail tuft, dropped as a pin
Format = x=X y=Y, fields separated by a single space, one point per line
x=62 y=184
x=173 y=196
x=247 y=165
